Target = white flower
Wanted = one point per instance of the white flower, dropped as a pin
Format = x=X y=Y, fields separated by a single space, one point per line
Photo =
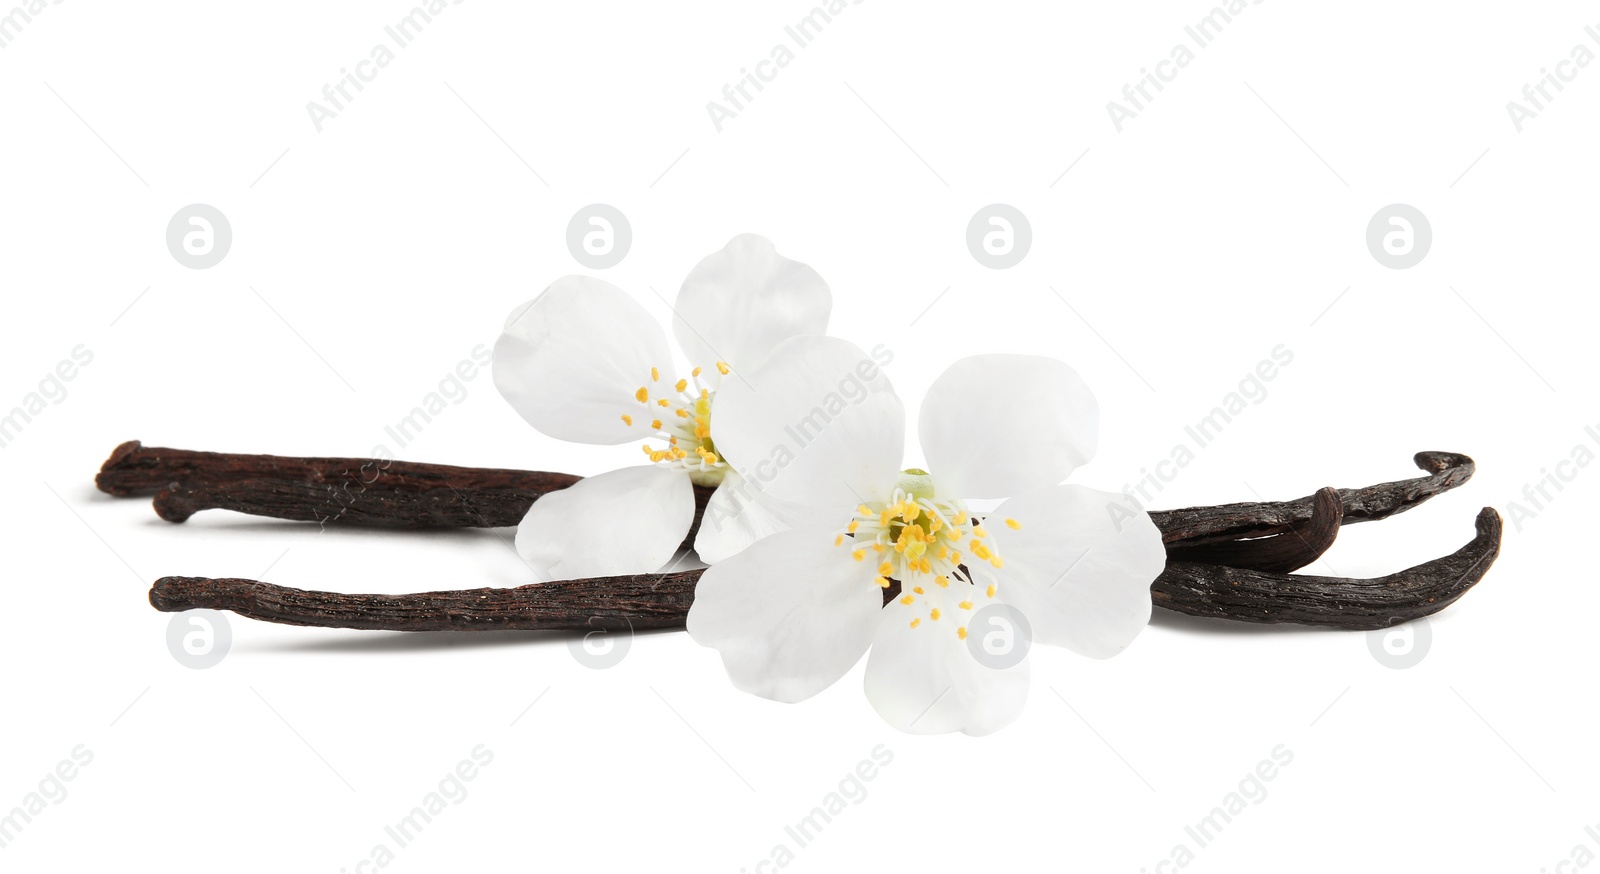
x=794 y=612
x=583 y=362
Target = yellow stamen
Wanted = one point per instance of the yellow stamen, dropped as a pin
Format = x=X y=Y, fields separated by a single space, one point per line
x=722 y=368
x=915 y=622
x=628 y=420
x=934 y=615
x=882 y=582
x=858 y=554
x=1013 y=524
x=682 y=384
x=643 y=394
x=962 y=632
x=908 y=600
x=655 y=374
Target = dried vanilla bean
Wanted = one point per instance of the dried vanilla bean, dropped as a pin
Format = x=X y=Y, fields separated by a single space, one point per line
x=1246 y=595
x=356 y=491
x=399 y=494
x=1226 y=522
x=641 y=601
x=662 y=600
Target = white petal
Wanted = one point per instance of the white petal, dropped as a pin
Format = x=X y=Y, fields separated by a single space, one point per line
x=628 y=521
x=1079 y=568
x=571 y=360
x=739 y=303
x=925 y=680
x=818 y=425
x=790 y=615
x=993 y=426
x=740 y=513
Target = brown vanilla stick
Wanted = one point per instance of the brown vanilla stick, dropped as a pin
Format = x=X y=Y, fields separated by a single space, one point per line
x=372 y=492
x=396 y=494
x=1246 y=595
x=663 y=600
x=1228 y=522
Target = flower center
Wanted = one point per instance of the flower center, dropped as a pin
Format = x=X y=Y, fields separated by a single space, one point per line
x=680 y=417
x=928 y=543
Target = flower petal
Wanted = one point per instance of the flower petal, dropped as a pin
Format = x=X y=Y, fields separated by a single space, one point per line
x=628 y=521
x=925 y=680
x=993 y=426
x=739 y=303
x=740 y=513
x=1079 y=567
x=570 y=361
x=817 y=425
x=790 y=615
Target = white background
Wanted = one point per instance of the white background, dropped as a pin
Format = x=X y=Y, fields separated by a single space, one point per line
x=369 y=258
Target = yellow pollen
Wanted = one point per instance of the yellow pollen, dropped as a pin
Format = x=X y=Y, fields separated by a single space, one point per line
x=962 y=632
x=655 y=425
x=863 y=511
x=965 y=605
x=628 y=420
x=934 y=615
x=908 y=600
x=664 y=402
x=918 y=590
x=998 y=562
x=643 y=394
x=943 y=581
x=990 y=592
x=883 y=582
x=723 y=368
x=915 y=622
x=695 y=372
x=682 y=413
x=978 y=530
x=1013 y=524
x=858 y=554
x=682 y=384
x=655 y=374
x=837 y=541
x=885 y=569
x=854 y=524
